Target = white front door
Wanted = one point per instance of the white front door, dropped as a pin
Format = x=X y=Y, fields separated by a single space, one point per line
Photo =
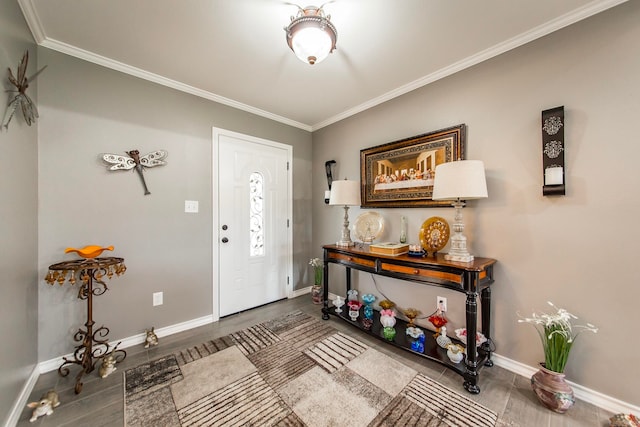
x=252 y=240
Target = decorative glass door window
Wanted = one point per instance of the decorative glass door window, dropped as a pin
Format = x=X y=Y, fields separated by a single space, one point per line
x=256 y=214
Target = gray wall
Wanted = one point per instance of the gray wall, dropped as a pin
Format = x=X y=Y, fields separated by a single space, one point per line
x=87 y=110
x=578 y=250
x=575 y=250
x=18 y=219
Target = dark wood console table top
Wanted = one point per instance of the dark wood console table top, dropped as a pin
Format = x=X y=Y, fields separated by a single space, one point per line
x=472 y=278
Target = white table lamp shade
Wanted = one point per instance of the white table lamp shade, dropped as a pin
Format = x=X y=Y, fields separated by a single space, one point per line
x=458 y=181
x=462 y=179
x=345 y=193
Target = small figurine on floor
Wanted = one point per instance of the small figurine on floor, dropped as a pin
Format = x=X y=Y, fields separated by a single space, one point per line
x=44 y=406
x=624 y=420
x=151 y=339
x=108 y=365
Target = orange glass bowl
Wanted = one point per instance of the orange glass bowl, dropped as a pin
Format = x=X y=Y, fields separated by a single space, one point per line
x=90 y=251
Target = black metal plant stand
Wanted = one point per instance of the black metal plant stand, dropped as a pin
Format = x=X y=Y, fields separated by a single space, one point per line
x=94 y=344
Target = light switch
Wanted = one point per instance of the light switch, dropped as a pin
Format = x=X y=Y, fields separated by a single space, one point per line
x=157 y=298
x=191 y=206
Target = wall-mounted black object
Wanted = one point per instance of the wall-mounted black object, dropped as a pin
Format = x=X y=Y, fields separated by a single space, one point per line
x=327 y=167
x=553 y=152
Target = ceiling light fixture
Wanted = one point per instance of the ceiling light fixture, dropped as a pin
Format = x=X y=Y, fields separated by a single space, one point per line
x=311 y=35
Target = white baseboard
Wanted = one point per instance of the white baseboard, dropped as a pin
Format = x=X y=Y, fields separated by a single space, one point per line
x=299 y=292
x=596 y=398
x=307 y=290
x=21 y=401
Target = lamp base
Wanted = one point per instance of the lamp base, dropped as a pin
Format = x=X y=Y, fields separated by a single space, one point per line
x=458 y=250
x=346 y=234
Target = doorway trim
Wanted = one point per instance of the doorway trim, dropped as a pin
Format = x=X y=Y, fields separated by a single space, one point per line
x=215 y=158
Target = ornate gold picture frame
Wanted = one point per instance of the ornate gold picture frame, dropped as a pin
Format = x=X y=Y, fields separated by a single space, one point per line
x=400 y=174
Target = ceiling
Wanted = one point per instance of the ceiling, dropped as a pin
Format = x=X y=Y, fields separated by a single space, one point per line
x=234 y=51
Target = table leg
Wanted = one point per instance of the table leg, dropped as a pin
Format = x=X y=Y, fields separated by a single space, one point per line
x=325 y=304
x=471 y=376
x=485 y=296
x=348 y=270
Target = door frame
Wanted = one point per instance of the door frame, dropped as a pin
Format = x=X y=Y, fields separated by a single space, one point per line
x=215 y=158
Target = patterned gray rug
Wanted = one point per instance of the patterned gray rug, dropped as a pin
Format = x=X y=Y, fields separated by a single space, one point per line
x=290 y=371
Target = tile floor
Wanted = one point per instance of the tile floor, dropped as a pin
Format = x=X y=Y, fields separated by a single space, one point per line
x=101 y=401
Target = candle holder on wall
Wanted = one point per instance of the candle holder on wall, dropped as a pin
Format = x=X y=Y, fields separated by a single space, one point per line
x=553 y=151
x=327 y=165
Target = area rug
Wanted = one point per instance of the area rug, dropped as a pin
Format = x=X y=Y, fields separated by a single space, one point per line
x=290 y=371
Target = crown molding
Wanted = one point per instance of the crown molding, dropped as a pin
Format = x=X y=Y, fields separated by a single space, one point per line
x=556 y=24
x=33 y=20
x=590 y=9
x=37 y=30
x=164 y=81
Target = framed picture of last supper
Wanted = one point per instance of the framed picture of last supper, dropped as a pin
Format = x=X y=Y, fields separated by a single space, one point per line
x=400 y=174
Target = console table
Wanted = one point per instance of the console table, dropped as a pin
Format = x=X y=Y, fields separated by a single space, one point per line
x=472 y=278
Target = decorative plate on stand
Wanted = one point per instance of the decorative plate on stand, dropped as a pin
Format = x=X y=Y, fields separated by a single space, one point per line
x=434 y=235
x=368 y=226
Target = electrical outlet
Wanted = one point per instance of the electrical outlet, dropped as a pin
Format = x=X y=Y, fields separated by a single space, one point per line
x=157 y=298
x=441 y=303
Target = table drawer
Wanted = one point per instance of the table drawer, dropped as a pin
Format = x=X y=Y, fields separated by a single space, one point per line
x=342 y=258
x=422 y=272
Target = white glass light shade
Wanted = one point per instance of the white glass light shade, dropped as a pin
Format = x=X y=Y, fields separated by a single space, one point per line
x=345 y=193
x=311 y=45
x=462 y=179
x=311 y=35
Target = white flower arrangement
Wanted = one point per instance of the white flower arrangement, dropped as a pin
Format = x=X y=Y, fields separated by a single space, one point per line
x=557 y=334
x=318 y=268
x=316 y=262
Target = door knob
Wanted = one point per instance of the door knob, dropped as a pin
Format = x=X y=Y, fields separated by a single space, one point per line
x=224 y=227
x=225 y=240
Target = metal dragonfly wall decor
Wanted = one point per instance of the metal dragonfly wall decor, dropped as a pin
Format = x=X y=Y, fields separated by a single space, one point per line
x=134 y=160
x=22 y=100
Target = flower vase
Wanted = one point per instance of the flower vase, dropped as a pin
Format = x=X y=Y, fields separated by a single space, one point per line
x=354 y=309
x=411 y=314
x=317 y=288
x=416 y=336
x=367 y=324
x=338 y=303
x=368 y=312
x=389 y=333
x=438 y=320
x=387 y=318
x=368 y=299
x=552 y=390
x=455 y=352
x=442 y=339
x=417 y=344
x=316 y=294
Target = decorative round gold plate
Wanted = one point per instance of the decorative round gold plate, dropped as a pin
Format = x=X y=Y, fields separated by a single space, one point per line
x=434 y=235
